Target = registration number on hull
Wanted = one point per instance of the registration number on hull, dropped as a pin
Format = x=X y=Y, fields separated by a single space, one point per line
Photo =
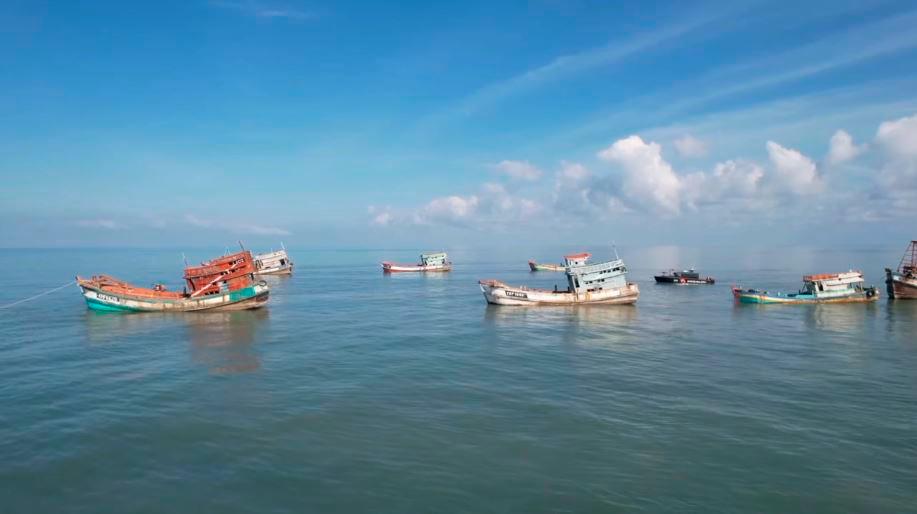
x=108 y=298
x=514 y=294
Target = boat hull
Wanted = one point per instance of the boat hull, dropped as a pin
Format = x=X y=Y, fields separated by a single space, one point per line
x=667 y=279
x=900 y=287
x=866 y=296
x=534 y=266
x=498 y=293
x=404 y=268
x=282 y=270
x=251 y=297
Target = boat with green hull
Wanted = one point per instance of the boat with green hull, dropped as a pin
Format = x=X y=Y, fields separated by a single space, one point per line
x=225 y=283
x=824 y=288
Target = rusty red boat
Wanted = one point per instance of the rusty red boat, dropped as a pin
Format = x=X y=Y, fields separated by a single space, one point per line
x=224 y=283
x=902 y=283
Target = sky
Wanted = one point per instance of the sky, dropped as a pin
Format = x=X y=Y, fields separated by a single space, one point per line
x=466 y=124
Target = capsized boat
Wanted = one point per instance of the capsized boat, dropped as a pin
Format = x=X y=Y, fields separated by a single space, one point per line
x=825 y=288
x=902 y=283
x=428 y=262
x=534 y=266
x=274 y=263
x=226 y=283
x=600 y=283
x=688 y=276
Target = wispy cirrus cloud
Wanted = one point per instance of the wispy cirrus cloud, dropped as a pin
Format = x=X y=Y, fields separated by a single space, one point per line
x=100 y=223
x=235 y=227
x=263 y=10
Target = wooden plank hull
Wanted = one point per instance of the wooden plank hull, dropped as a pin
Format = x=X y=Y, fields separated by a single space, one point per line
x=498 y=293
x=389 y=267
x=534 y=266
x=763 y=298
x=899 y=286
x=281 y=270
x=251 y=297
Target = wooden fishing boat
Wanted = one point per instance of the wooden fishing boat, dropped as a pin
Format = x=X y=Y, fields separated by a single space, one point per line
x=226 y=283
x=534 y=266
x=428 y=262
x=688 y=276
x=601 y=283
x=902 y=283
x=274 y=263
x=825 y=288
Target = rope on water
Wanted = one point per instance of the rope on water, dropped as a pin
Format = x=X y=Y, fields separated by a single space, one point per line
x=38 y=295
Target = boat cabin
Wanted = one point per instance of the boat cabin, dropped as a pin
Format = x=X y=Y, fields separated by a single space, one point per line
x=576 y=259
x=594 y=277
x=433 y=259
x=272 y=260
x=222 y=275
x=827 y=285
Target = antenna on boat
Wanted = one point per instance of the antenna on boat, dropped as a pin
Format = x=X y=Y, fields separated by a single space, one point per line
x=615 y=248
x=241 y=246
x=282 y=247
x=184 y=259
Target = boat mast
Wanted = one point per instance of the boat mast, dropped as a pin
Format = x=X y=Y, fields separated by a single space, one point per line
x=910 y=255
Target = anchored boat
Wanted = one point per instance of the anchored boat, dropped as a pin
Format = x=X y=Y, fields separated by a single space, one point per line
x=226 y=283
x=688 y=276
x=825 y=288
x=534 y=266
x=601 y=283
x=274 y=263
x=428 y=262
x=902 y=283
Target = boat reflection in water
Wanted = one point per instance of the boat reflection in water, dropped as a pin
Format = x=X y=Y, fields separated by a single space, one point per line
x=221 y=341
x=582 y=325
x=840 y=318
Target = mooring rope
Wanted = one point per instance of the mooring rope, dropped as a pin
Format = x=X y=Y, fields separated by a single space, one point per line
x=39 y=295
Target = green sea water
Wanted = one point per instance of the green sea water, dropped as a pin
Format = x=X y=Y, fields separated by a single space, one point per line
x=359 y=392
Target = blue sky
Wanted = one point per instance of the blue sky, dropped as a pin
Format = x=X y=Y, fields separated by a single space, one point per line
x=355 y=124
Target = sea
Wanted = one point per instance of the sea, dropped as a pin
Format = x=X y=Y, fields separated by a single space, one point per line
x=359 y=392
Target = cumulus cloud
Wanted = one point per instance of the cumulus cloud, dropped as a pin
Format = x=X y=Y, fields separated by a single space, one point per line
x=491 y=205
x=649 y=180
x=380 y=216
x=899 y=137
x=518 y=170
x=691 y=147
x=793 y=170
x=730 y=180
x=842 y=149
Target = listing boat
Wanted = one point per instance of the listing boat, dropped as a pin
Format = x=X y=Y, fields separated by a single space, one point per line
x=428 y=262
x=601 y=283
x=274 y=263
x=825 y=288
x=688 y=276
x=226 y=283
x=534 y=266
x=902 y=284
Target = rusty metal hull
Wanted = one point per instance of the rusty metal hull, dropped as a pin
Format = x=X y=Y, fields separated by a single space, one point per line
x=899 y=286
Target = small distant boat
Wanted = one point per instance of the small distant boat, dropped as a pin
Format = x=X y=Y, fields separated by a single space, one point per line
x=601 y=283
x=902 y=283
x=226 y=283
x=274 y=263
x=825 y=288
x=428 y=262
x=688 y=276
x=534 y=266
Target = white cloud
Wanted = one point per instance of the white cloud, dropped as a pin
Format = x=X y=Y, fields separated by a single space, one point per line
x=107 y=224
x=649 y=180
x=519 y=170
x=842 y=148
x=899 y=137
x=793 y=170
x=263 y=11
x=239 y=228
x=730 y=180
x=691 y=147
x=380 y=216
